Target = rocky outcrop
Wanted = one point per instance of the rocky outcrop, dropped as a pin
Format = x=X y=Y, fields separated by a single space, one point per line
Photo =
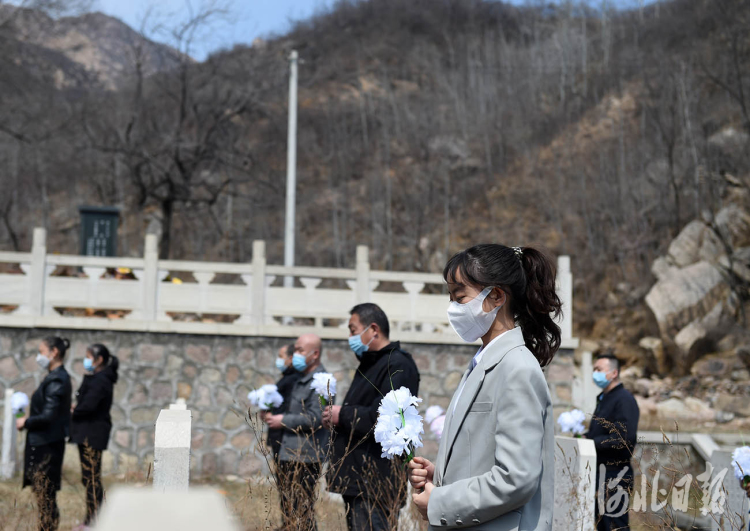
x=695 y=300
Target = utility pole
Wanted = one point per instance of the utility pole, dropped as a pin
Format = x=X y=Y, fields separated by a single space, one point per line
x=291 y=170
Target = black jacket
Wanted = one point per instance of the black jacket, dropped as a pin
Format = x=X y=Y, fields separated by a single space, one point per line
x=351 y=470
x=49 y=411
x=91 y=422
x=614 y=428
x=285 y=385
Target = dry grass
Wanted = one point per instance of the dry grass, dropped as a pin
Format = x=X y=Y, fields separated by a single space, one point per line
x=254 y=502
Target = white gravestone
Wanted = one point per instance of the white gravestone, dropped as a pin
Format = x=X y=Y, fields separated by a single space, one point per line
x=172 y=450
x=734 y=516
x=575 y=484
x=9 y=439
x=198 y=509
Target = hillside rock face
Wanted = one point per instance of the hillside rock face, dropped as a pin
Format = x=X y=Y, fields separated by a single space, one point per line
x=693 y=300
x=103 y=46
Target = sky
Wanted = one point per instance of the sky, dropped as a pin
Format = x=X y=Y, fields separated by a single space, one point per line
x=248 y=19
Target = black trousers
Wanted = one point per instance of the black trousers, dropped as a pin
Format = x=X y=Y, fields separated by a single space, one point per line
x=611 y=519
x=91 y=477
x=43 y=473
x=297 y=483
x=364 y=515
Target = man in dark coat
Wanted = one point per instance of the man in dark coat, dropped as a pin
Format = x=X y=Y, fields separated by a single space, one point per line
x=289 y=376
x=614 y=430
x=373 y=487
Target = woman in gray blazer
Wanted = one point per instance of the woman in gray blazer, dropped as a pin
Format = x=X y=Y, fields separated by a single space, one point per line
x=495 y=465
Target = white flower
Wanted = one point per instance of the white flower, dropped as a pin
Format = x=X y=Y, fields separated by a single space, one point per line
x=436 y=426
x=265 y=398
x=18 y=402
x=741 y=462
x=399 y=426
x=432 y=413
x=572 y=422
x=324 y=384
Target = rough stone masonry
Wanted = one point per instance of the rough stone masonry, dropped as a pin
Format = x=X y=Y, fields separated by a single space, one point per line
x=214 y=374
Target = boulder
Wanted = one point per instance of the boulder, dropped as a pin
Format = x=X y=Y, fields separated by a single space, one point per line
x=685 y=295
x=743 y=353
x=738 y=405
x=690 y=409
x=685 y=248
x=655 y=355
x=643 y=386
x=733 y=222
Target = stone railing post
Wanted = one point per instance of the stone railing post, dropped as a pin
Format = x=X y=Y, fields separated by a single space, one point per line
x=9 y=439
x=362 y=292
x=259 y=283
x=565 y=292
x=150 y=278
x=172 y=450
x=38 y=272
x=575 y=484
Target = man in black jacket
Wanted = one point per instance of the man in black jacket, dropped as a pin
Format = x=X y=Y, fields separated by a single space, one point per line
x=373 y=487
x=614 y=430
x=289 y=376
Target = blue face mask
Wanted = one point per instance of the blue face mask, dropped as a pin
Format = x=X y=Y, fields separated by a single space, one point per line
x=88 y=364
x=359 y=348
x=299 y=362
x=280 y=364
x=600 y=379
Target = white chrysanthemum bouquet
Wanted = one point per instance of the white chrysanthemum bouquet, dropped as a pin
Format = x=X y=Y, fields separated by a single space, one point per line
x=572 y=422
x=18 y=403
x=265 y=398
x=435 y=417
x=741 y=463
x=325 y=385
x=399 y=427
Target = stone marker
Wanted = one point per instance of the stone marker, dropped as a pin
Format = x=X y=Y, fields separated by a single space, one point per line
x=129 y=508
x=8 y=467
x=180 y=404
x=172 y=450
x=734 y=516
x=575 y=484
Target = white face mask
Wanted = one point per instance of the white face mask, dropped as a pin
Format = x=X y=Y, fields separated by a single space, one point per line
x=469 y=320
x=42 y=361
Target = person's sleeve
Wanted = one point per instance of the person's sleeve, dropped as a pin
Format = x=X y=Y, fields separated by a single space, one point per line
x=54 y=395
x=89 y=402
x=520 y=406
x=311 y=417
x=622 y=427
x=360 y=419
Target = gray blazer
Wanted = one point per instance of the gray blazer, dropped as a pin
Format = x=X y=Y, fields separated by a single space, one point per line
x=495 y=466
x=304 y=437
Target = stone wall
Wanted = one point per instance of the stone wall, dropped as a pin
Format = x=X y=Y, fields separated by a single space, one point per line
x=214 y=374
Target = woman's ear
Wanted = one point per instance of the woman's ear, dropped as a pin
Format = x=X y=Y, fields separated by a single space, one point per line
x=497 y=297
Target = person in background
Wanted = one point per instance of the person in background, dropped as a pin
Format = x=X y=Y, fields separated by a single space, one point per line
x=47 y=425
x=304 y=442
x=614 y=430
x=91 y=423
x=289 y=376
x=373 y=487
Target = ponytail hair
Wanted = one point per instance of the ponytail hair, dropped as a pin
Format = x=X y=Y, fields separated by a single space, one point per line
x=100 y=351
x=60 y=343
x=527 y=276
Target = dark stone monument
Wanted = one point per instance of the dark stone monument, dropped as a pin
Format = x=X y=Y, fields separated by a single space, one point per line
x=99 y=230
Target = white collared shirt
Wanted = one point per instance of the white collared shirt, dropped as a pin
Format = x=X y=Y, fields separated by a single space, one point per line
x=478 y=358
